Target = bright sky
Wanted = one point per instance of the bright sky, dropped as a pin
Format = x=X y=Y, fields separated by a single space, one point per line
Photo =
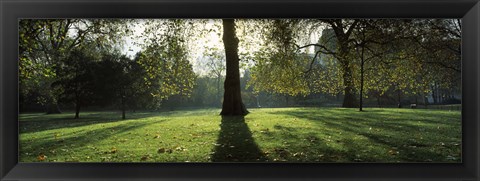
x=199 y=47
x=212 y=40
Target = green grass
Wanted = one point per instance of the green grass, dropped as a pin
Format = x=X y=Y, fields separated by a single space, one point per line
x=266 y=134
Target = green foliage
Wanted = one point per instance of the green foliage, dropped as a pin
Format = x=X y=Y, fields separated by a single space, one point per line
x=119 y=80
x=278 y=65
x=279 y=74
x=43 y=43
x=410 y=56
x=326 y=74
x=166 y=76
x=76 y=77
x=205 y=92
x=413 y=57
x=165 y=60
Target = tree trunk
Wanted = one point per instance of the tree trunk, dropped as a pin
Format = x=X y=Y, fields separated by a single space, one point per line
x=232 y=98
x=361 y=85
x=123 y=106
x=349 y=101
x=258 y=103
x=77 y=104
x=218 y=101
x=399 y=98
x=77 y=109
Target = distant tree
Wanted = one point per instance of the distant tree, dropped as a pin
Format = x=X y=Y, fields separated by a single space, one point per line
x=165 y=60
x=216 y=65
x=205 y=92
x=284 y=40
x=44 y=42
x=372 y=43
x=76 y=79
x=439 y=41
x=119 y=81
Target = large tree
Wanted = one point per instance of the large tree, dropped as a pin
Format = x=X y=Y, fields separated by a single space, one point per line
x=232 y=98
x=343 y=29
x=287 y=67
x=76 y=79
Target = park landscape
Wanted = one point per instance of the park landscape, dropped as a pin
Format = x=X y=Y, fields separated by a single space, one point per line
x=240 y=90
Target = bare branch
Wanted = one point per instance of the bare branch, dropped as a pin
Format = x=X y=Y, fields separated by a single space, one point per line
x=311 y=62
x=350 y=29
x=327 y=51
x=443 y=65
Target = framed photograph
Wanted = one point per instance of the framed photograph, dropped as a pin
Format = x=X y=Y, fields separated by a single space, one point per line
x=239 y=90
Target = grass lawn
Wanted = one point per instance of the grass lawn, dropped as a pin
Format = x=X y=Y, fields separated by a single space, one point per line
x=266 y=134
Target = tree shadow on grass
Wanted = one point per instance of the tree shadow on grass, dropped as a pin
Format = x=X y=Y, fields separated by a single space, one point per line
x=42 y=122
x=235 y=142
x=396 y=132
x=78 y=140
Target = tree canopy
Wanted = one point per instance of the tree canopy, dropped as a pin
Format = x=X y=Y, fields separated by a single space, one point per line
x=79 y=63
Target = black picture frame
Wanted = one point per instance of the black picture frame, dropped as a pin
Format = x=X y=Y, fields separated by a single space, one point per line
x=11 y=11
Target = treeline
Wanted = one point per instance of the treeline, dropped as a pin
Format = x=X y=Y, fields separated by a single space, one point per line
x=80 y=63
x=91 y=78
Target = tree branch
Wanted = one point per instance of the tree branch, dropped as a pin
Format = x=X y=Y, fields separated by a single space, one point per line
x=443 y=65
x=311 y=62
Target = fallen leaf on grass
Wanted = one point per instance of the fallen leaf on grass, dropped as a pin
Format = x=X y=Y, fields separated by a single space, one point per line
x=264 y=130
x=298 y=154
x=145 y=157
x=180 y=148
x=393 y=152
x=113 y=150
x=41 y=157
